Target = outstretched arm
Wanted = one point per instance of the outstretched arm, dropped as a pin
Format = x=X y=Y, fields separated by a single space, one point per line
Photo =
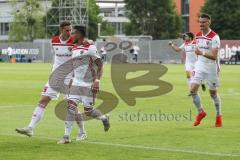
x=174 y=47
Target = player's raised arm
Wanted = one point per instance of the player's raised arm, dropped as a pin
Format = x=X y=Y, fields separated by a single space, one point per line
x=174 y=47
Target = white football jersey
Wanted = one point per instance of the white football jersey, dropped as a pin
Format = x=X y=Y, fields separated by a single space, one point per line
x=189 y=49
x=206 y=43
x=62 y=51
x=84 y=67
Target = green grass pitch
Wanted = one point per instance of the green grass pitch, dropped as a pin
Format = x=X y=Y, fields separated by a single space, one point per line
x=20 y=87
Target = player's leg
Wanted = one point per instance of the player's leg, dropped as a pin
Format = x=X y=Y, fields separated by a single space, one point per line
x=88 y=103
x=188 y=74
x=213 y=83
x=189 y=67
x=37 y=115
x=197 y=78
x=73 y=114
x=47 y=94
x=70 y=118
x=82 y=135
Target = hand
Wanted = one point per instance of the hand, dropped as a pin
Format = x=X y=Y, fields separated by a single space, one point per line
x=87 y=42
x=95 y=86
x=198 y=52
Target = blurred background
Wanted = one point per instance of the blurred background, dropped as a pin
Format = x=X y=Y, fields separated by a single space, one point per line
x=26 y=27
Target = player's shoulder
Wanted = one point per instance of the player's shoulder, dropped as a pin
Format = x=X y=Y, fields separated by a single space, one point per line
x=70 y=40
x=56 y=39
x=198 y=34
x=90 y=46
x=212 y=34
x=74 y=46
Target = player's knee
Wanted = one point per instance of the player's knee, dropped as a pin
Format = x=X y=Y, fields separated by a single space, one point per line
x=70 y=102
x=88 y=110
x=193 y=94
x=213 y=93
x=194 y=88
x=44 y=101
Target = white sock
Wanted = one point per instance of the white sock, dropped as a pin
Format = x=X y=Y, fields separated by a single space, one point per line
x=69 y=120
x=189 y=83
x=80 y=123
x=68 y=128
x=37 y=115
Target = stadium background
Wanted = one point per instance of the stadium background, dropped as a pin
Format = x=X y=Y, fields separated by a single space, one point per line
x=21 y=83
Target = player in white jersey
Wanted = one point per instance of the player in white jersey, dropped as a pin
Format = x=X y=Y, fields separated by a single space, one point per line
x=61 y=45
x=206 y=68
x=88 y=69
x=189 y=47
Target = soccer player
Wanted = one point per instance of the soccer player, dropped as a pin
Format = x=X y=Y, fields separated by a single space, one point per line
x=87 y=77
x=61 y=45
x=206 y=68
x=189 y=47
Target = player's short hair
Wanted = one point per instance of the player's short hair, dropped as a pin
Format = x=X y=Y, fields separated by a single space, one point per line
x=189 y=34
x=205 y=15
x=80 y=29
x=65 y=23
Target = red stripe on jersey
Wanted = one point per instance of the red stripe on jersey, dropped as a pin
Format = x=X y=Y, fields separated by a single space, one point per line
x=61 y=44
x=204 y=38
x=80 y=49
x=56 y=39
x=199 y=34
x=211 y=34
x=193 y=42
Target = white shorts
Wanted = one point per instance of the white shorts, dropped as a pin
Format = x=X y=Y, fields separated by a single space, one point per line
x=87 y=98
x=50 y=92
x=212 y=79
x=189 y=67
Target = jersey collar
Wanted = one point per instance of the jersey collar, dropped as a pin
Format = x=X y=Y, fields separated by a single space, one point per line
x=207 y=33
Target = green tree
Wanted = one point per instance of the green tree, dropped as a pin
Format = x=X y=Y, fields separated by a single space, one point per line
x=52 y=17
x=94 y=19
x=28 y=23
x=225 y=17
x=157 y=18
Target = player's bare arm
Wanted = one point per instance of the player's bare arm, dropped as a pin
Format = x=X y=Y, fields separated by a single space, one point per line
x=95 y=85
x=174 y=47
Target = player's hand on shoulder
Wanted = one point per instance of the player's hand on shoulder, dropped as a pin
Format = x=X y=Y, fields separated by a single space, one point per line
x=198 y=52
x=88 y=42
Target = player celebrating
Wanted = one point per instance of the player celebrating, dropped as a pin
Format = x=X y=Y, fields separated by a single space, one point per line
x=87 y=77
x=189 y=47
x=206 y=68
x=62 y=45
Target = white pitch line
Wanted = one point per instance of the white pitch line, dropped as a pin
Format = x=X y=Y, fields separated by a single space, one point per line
x=15 y=106
x=142 y=147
